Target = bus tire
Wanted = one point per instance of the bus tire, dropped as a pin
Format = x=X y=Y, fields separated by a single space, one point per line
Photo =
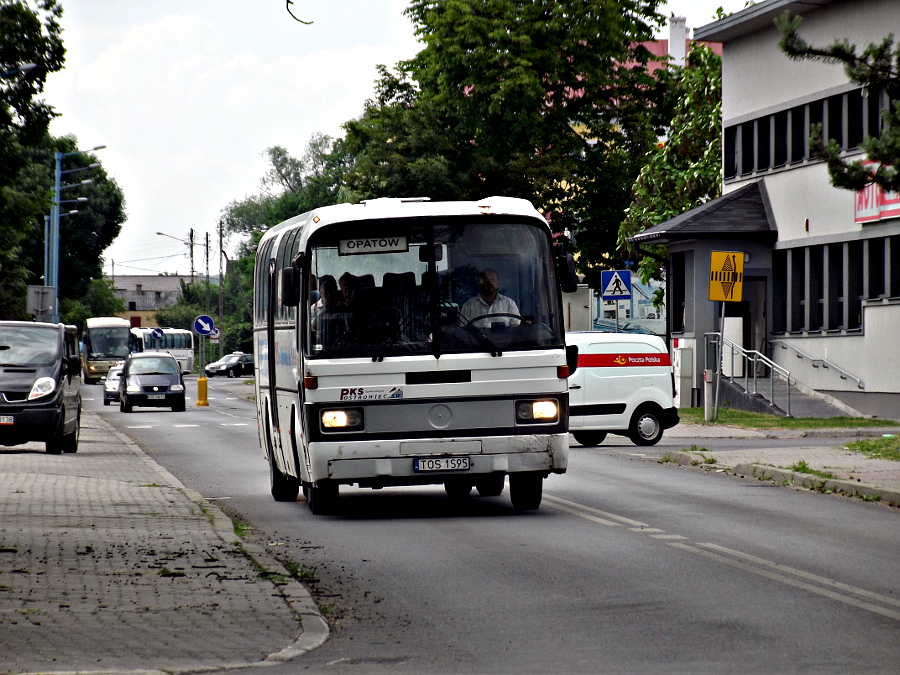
x=284 y=488
x=589 y=438
x=322 y=498
x=526 y=489
x=491 y=486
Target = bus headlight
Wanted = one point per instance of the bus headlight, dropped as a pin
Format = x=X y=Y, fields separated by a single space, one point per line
x=536 y=412
x=43 y=386
x=349 y=419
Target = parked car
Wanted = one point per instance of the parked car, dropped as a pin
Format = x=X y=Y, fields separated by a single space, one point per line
x=111 y=383
x=40 y=385
x=619 y=383
x=231 y=365
x=151 y=379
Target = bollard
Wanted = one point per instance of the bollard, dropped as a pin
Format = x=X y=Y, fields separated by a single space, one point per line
x=708 y=395
x=201 y=392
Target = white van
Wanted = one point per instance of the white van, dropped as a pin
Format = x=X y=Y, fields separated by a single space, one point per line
x=619 y=383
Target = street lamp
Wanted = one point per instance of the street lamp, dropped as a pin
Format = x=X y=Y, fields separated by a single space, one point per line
x=19 y=69
x=52 y=242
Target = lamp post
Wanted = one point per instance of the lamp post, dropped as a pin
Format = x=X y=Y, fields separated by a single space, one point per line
x=53 y=239
x=19 y=69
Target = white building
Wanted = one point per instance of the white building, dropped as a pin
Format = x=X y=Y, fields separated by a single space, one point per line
x=821 y=292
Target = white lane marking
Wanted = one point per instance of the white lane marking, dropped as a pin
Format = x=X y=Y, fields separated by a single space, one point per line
x=232 y=424
x=146 y=426
x=667 y=536
x=183 y=426
x=804 y=575
x=558 y=502
x=796 y=583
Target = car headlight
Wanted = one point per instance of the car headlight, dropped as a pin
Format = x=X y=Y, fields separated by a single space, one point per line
x=176 y=387
x=347 y=419
x=43 y=386
x=537 y=412
x=133 y=388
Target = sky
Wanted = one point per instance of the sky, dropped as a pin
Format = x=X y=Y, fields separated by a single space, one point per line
x=186 y=95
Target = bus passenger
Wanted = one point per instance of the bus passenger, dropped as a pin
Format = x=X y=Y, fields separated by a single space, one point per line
x=490 y=301
x=330 y=300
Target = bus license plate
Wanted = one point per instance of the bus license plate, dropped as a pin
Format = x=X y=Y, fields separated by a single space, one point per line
x=6 y=419
x=156 y=397
x=441 y=464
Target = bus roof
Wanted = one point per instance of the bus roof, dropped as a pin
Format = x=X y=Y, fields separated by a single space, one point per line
x=100 y=321
x=408 y=207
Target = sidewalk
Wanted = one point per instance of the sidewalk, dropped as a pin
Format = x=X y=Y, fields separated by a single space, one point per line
x=855 y=474
x=108 y=563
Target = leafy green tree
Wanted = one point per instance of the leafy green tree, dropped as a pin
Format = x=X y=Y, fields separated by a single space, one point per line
x=27 y=35
x=877 y=68
x=100 y=300
x=549 y=101
x=83 y=236
x=684 y=171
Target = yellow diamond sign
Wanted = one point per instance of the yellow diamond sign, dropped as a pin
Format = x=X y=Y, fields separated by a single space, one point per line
x=726 y=276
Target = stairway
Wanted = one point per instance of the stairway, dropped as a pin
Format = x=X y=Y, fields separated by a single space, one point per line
x=774 y=401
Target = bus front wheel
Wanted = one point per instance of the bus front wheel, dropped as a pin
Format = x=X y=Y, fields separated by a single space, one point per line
x=526 y=490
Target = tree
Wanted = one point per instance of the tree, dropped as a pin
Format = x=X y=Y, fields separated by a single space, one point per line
x=877 y=68
x=99 y=300
x=684 y=171
x=27 y=35
x=549 y=101
x=83 y=236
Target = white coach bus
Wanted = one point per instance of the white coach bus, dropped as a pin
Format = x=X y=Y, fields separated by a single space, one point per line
x=409 y=342
x=179 y=342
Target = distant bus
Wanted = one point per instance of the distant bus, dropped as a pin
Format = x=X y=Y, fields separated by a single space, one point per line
x=104 y=340
x=177 y=341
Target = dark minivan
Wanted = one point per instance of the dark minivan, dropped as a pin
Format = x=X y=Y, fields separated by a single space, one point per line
x=40 y=385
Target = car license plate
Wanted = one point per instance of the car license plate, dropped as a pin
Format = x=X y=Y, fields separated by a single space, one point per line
x=156 y=397
x=441 y=464
x=6 y=419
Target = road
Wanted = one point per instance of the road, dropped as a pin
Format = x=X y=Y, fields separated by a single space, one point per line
x=629 y=566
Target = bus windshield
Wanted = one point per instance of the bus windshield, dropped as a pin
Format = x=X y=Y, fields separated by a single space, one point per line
x=107 y=342
x=409 y=286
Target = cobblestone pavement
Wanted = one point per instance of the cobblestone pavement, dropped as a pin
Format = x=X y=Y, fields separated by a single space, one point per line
x=108 y=563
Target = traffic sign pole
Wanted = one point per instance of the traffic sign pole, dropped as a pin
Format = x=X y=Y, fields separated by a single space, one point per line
x=203 y=325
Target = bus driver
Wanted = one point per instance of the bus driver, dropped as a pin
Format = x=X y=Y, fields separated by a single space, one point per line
x=490 y=301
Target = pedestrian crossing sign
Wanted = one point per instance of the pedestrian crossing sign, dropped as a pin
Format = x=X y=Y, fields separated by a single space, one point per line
x=726 y=276
x=615 y=285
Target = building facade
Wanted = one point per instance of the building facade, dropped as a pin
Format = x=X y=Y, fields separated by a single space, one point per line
x=143 y=294
x=821 y=291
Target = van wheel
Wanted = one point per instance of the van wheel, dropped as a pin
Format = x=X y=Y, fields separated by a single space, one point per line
x=322 y=498
x=526 y=490
x=645 y=429
x=70 y=441
x=124 y=405
x=589 y=438
x=491 y=486
x=179 y=405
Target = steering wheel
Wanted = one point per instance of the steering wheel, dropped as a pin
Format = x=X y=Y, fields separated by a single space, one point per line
x=489 y=316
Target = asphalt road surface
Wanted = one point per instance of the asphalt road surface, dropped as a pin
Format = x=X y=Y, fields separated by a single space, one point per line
x=629 y=566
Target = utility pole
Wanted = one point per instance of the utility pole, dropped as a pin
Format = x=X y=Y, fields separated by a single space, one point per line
x=221 y=294
x=191 y=239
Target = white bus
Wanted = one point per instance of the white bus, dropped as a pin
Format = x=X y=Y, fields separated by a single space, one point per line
x=104 y=340
x=177 y=341
x=387 y=377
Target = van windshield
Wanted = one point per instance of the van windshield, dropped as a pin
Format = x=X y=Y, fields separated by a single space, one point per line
x=431 y=286
x=28 y=346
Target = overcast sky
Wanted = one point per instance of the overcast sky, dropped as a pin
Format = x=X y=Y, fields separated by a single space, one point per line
x=188 y=94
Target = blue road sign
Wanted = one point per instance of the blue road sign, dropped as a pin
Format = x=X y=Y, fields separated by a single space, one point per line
x=615 y=284
x=157 y=334
x=204 y=325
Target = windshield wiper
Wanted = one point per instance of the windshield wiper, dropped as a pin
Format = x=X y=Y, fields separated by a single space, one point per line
x=385 y=347
x=481 y=337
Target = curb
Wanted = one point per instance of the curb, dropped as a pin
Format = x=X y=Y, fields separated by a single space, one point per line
x=788 y=477
x=314 y=628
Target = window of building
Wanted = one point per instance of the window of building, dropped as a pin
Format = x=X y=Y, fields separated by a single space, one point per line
x=748 y=143
x=798 y=134
x=780 y=138
x=854 y=284
x=834 y=107
x=679 y=291
x=730 y=157
x=875 y=269
x=834 y=291
x=816 y=285
x=779 y=291
x=855 y=126
x=797 y=290
x=892 y=252
x=763 y=143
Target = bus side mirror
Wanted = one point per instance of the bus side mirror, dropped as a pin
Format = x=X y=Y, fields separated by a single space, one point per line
x=290 y=289
x=565 y=269
x=572 y=358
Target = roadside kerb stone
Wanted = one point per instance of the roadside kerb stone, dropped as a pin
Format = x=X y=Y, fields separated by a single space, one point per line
x=108 y=563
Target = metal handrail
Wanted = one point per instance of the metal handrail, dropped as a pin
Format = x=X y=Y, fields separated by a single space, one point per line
x=825 y=363
x=751 y=359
